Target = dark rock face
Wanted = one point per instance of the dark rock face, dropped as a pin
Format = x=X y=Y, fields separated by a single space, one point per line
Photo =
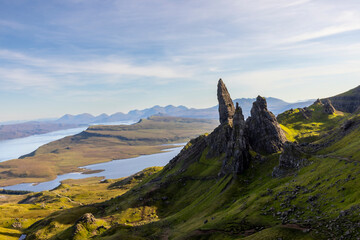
x=226 y=105
x=348 y=101
x=328 y=107
x=263 y=130
x=326 y=104
x=291 y=159
x=237 y=154
x=227 y=141
x=232 y=139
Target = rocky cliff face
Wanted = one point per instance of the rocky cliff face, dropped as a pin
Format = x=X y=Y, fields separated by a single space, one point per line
x=263 y=130
x=237 y=155
x=232 y=139
x=328 y=107
x=227 y=141
x=348 y=101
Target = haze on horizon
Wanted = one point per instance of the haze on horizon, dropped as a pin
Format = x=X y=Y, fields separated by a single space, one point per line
x=76 y=56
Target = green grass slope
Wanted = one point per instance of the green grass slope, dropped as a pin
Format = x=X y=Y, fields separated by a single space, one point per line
x=348 y=101
x=309 y=124
x=189 y=200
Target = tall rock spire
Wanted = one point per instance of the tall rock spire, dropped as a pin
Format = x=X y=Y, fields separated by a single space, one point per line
x=226 y=105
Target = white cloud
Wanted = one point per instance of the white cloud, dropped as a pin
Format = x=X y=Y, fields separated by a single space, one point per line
x=55 y=73
x=325 y=32
x=18 y=79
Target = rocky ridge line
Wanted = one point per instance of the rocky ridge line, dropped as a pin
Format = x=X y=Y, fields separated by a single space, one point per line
x=234 y=137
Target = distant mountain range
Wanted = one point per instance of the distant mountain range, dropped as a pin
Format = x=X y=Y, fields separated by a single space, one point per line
x=18 y=130
x=275 y=105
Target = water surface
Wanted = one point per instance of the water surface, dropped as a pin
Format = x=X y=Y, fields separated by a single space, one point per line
x=14 y=148
x=111 y=170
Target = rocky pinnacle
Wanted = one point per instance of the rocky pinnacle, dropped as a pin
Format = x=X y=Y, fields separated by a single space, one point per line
x=263 y=130
x=226 y=105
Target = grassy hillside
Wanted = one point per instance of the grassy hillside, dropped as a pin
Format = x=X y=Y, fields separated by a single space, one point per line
x=189 y=200
x=309 y=124
x=18 y=212
x=100 y=144
x=348 y=101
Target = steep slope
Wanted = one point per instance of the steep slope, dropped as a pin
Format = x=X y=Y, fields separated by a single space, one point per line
x=348 y=101
x=219 y=187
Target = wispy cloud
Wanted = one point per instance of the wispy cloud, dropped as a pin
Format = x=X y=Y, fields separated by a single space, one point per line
x=18 y=79
x=56 y=73
x=80 y=48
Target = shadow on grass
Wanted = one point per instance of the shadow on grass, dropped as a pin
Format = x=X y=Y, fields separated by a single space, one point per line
x=10 y=234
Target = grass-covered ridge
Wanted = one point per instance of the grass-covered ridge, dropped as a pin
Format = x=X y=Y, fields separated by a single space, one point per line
x=100 y=144
x=309 y=124
x=18 y=212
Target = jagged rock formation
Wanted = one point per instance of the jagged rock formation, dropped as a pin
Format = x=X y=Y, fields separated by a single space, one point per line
x=226 y=105
x=326 y=104
x=233 y=137
x=263 y=130
x=328 y=107
x=348 y=101
x=237 y=154
x=291 y=159
x=228 y=140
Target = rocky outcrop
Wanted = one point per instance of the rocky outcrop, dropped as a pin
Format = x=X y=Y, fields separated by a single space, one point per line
x=226 y=105
x=291 y=159
x=263 y=130
x=237 y=155
x=85 y=227
x=86 y=219
x=328 y=107
x=228 y=141
x=231 y=140
x=348 y=101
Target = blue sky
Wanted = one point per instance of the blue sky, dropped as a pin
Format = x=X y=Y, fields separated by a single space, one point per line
x=95 y=56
